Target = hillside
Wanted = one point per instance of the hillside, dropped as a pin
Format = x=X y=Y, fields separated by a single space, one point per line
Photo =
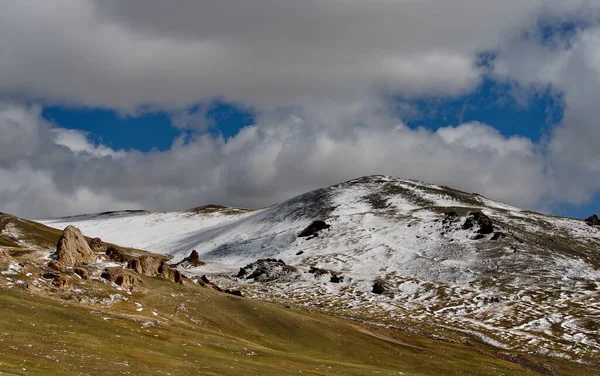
x=397 y=252
x=86 y=324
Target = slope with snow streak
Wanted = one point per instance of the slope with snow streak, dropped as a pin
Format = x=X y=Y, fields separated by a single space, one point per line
x=534 y=287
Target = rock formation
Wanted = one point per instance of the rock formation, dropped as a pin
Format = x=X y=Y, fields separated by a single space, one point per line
x=120 y=276
x=481 y=220
x=146 y=265
x=269 y=270
x=72 y=248
x=313 y=229
x=97 y=245
x=592 y=220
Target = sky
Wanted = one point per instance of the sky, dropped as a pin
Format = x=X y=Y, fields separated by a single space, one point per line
x=147 y=104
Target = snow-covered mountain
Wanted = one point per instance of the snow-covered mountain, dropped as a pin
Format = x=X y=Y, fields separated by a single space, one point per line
x=433 y=255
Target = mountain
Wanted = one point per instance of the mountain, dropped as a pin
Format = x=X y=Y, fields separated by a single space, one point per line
x=400 y=253
x=78 y=320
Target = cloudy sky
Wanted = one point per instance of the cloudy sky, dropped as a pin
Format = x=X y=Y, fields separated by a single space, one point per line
x=167 y=105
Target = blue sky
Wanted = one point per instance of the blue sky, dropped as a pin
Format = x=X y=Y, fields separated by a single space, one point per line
x=145 y=132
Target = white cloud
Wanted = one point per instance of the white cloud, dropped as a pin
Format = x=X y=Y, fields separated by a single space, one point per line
x=127 y=54
x=571 y=68
x=314 y=71
x=280 y=156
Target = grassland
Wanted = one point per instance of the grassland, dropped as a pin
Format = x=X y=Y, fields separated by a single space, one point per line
x=188 y=330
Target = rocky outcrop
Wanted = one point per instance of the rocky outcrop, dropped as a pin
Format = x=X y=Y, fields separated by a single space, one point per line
x=72 y=248
x=482 y=221
x=97 y=245
x=171 y=274
x=116 y=255
x=192 y=261
x=146 y=265
x=592 y=220
x=269 y=270
x=313 y=229
x=121 y=277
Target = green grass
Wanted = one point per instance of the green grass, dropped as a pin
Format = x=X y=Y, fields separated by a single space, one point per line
x=199 y=331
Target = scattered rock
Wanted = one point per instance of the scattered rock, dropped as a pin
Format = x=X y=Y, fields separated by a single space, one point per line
x=269 y=270
x=97 y=245
x=378 y=287
x=54 y=265
x=204 y=281
x=72 y=248
x=450 y=217
x=592 y=220
x=82 y=272
x=233 y=292
x=313 y=229
x=49 y=275
x=481 y=220
x=498 y=235
x=61 y=281
x=317 y=271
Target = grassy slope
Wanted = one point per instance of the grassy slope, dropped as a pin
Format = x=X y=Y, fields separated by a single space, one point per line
x=215 y=334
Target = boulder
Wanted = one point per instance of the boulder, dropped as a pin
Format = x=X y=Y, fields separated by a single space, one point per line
x=378 y=287
x=54 y=265
x=61 y=281
x=269 y=270
x=72 y=248
x=81 y=272
x=592 y=220
x=481 y=220
x=233 y=292
x=313 y=229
